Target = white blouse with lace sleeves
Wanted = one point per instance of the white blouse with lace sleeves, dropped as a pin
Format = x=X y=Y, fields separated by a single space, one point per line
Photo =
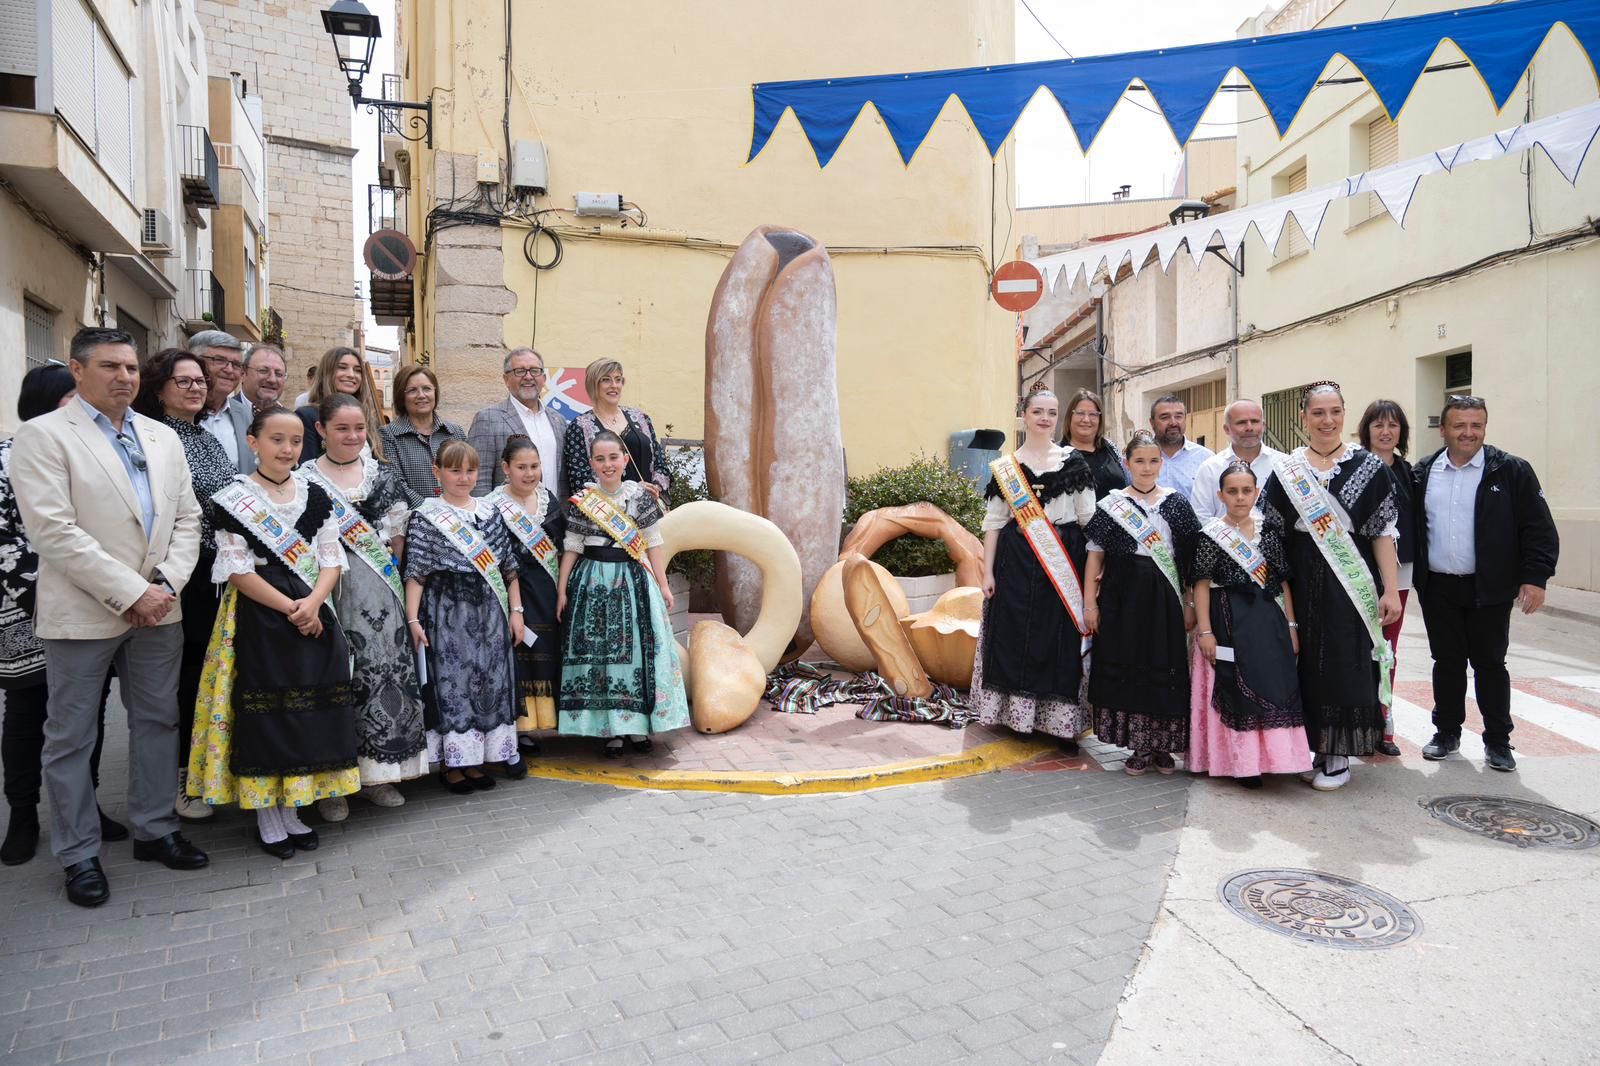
x=233 y=557
x=996 y=513
x=1062 y=510
x=393 y=522
x=329 y=548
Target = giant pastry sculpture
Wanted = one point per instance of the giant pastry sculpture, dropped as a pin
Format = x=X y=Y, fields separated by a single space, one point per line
x=835 y=630
x=945 y=636
x=876 y=528
x=873 y=612
x=727 y=680
x=773 y=443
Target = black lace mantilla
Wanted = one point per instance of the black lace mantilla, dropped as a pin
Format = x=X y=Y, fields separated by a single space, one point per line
x=1074 y=476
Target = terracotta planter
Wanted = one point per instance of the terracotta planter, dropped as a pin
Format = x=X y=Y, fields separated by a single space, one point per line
x=923 y=592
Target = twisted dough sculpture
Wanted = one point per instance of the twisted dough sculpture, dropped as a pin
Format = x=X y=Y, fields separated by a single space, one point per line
x=876 y=528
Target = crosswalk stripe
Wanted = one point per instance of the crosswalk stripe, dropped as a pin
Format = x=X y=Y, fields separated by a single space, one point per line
x=1563 y=721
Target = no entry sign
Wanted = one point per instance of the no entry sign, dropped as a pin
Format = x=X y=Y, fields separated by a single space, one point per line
x=390 y=255
x=1017 y=285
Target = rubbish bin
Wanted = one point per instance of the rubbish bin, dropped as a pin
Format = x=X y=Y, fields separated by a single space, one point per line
x=972 y=450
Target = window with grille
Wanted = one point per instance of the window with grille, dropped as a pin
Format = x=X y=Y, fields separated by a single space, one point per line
x=1383 y=149
x=139 y=331
x=1281 y=412
x=1293 y=241
x=39 y=323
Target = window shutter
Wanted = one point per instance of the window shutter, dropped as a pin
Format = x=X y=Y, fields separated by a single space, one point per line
x=18 y=38
x=72 y=56
x=1383 y=150
x=1294 y=241
x=113 y=113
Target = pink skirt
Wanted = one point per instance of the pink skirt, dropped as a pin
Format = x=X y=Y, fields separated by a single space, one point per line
x=1222 y=752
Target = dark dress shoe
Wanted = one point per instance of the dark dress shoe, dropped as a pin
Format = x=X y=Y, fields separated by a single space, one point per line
x=516 y=769
x=22 y=836
x=306 y=841
x=172 y=851
x=1251 y=782
x=461 y=787
x=1067 y=745
x=1499 y=757
x=1389 y=748
x=282 y=849
x=480 y=781
x=110 y=829
x=642 y=746
x=527 y=745
x=1441 y=746
x=86 y=883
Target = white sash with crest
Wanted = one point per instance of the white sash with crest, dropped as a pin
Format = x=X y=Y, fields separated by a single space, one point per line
x=1040 y=535
x=613 y=521
x=254 y=513
x=529 y=532
x=358 y=535
x=1321 y=515
x=1133 y=521
x=470 y=543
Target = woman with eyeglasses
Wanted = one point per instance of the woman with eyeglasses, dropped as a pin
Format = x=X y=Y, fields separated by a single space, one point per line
x=172 y=388
x=1386 y=432
x=412 y=440
x=645 y=461
x=341 y=370
x=44 y=388
x=1086 y=432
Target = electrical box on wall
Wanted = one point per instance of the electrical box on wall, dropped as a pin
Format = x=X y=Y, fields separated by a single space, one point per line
x=599 y=203
x=530 y=166
x=488 y=167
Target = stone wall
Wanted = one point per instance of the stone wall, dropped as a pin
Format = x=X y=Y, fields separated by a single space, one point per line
x=286 y=57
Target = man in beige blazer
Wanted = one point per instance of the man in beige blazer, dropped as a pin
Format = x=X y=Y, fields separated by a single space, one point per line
x=108 y=504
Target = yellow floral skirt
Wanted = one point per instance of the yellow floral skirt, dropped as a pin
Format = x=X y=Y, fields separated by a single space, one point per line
x=210 y=756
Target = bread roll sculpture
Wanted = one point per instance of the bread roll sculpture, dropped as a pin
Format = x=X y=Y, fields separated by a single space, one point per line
x=945 y=636
x=773 y=444
x=876 y=528
x=834 y=628
x=727 y=681
x=873 y=612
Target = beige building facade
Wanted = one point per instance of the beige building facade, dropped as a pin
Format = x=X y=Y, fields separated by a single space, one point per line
x=281 y=52
x=660 y=114
x=1489 y=289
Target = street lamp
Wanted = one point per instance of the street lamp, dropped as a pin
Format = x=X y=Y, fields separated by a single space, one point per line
x=1188 y=211
x=355 y=32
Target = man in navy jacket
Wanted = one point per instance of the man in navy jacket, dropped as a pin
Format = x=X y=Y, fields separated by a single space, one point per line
x=1485 y=540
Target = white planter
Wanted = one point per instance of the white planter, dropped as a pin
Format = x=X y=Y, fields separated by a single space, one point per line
x=680 y=606
x=923 y=592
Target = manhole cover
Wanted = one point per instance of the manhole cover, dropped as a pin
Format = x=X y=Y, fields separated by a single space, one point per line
x=1320 y=908
x=1521 y=822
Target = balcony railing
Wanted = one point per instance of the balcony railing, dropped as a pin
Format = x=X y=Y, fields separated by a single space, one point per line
x=197 y=165
x=388 y=117
x=387 y=208
x=204 y=301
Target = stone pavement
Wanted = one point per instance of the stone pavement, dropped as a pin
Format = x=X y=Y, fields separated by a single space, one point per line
x=990 y=919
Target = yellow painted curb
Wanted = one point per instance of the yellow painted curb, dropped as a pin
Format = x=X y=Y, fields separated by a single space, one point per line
x=996 y=755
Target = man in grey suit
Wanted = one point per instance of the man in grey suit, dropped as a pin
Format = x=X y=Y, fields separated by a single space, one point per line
x=110 y=508
x=226 y=416
x=523 y=413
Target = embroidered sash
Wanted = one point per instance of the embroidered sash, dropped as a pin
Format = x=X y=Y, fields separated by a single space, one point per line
x=470 y=543
x=1125 y=513
x=1240 y=550
x=359 y=536
x=529 y=532
x=1040 y=535
x=597 y=507
x=1339 y=551
x=253 y=513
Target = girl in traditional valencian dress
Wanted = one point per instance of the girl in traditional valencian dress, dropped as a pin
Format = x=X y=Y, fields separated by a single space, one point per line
x=275 y=727
x=537 y=525
x=1029 y=670
x=1244 y=715
x=620 y=675
x=1339 y=499
x=464 y=608
x=371 y=504
x=1141 y=545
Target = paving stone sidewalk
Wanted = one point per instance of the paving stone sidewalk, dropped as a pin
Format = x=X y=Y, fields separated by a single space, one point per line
x=989 y=919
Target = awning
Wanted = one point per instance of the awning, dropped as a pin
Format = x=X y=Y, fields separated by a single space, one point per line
x=1498 y=40
x=1567 y=139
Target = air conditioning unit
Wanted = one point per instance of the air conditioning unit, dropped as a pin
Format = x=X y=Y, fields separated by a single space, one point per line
x=156 y=236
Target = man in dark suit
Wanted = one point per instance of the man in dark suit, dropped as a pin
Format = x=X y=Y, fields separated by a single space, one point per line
x=1485 y=540
x=226 y=415
x=522 y=413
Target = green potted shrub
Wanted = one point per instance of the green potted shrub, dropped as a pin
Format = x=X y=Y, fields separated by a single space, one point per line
x=691 y=574
x=923 y=567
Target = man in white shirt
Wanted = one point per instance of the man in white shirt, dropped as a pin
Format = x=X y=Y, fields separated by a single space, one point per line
x=1180 y=456
x=521 y=412
x=1244 y=423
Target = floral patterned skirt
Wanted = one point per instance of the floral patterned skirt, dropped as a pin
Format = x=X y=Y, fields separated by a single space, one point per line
x=467 y=698
x=620 y=674
x=217 y=773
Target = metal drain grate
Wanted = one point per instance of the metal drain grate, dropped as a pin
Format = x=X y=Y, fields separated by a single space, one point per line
x=1320 y=908
x=1516 y=821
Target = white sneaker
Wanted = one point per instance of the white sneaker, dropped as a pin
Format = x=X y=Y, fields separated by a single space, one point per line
x=1326 y=782
x=1309 y=776
x=384 y=796
x=192 y=808
x=333 y=809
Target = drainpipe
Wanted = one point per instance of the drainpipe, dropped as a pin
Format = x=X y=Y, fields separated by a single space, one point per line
x=1233 y=359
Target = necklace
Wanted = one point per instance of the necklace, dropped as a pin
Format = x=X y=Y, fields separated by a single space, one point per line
x=1328 y=454
x=274 y=481
x=336 y=462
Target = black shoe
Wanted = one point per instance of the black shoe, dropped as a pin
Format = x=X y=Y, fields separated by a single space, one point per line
x=641 y=745
x=1499 y=757
x=1441 y=745
x=463 y=787
x=1250 y=782
x=480 y=781
x=516 y=769
x=86 y=883
x=111 y=829
x=22 y=836
x=1067 y=745
x=613 y=748
x=1389 y=748
x=527 y=745
x=282 y=849
x=306 y=841
x=172 y=851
